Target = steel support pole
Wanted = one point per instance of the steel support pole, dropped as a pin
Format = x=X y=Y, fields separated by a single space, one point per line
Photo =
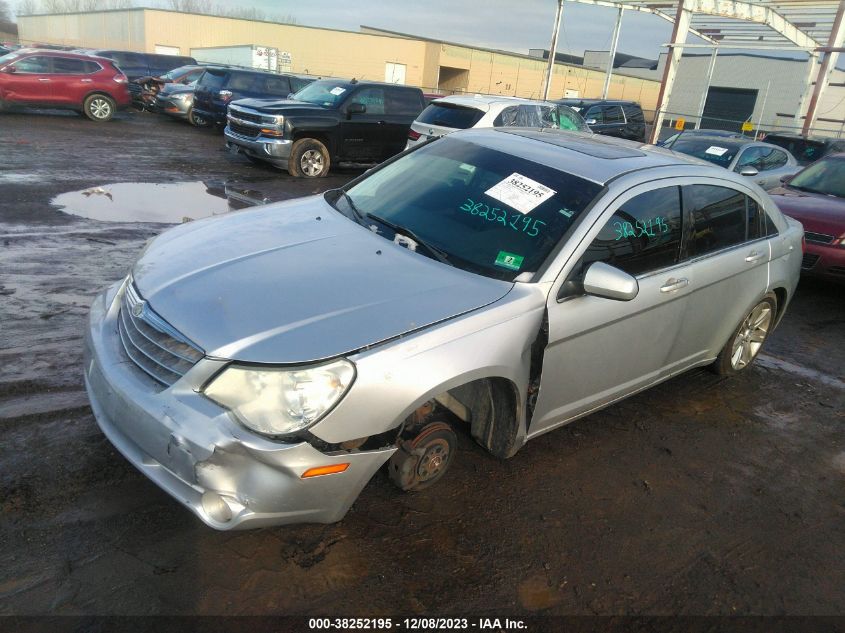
x=710 y=69
x=837 y=38
x=679 y=35
x=551 y=66
x=613 y=44
x=812 y=64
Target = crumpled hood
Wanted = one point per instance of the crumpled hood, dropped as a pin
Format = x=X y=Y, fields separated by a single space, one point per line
x=297 y=281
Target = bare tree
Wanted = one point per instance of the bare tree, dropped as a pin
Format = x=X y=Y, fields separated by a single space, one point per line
x=27 y=7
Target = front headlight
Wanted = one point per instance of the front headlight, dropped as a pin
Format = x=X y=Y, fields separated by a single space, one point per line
x=281 y=401
x=183 y=97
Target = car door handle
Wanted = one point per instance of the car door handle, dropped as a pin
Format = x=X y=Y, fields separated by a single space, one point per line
x=754 y=256
x=382 y=122
x=87 y=81
x=673 y=284
x=43 y=79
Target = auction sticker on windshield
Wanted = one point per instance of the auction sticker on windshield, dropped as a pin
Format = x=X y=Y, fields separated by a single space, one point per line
x=520 y=192
x=337 y=91
x=716 y=151
x=509 y=260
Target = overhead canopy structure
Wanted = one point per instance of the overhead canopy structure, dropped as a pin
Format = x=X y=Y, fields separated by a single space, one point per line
x=814 y=26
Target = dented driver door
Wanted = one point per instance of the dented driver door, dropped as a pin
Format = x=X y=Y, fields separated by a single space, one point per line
x=602 y=349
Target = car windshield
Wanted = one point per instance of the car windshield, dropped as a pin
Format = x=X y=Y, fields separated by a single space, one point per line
x=826 y=176
x=8 y=57
x=323 y=93
x=176 y=73
x=712 y=150
x=482 y=210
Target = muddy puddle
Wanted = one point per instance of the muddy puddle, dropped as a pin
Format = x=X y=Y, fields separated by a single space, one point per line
x=164 y=203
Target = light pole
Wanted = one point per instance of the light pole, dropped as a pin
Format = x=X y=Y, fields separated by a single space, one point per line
x=551 y=65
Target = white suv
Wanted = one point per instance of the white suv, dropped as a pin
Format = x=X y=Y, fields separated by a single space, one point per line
x=448 y=114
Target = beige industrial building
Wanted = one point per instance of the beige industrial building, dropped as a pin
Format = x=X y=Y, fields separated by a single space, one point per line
x=374 y=54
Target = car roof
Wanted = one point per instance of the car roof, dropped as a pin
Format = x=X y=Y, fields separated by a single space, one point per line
x=798 y=137
x=359 y=82
x=50 y=52
x=484 y=102
x=576 y=101
x=252 y=71
x=590 y=156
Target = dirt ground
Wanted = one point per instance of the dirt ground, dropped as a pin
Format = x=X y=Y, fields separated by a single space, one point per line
x=701 y=496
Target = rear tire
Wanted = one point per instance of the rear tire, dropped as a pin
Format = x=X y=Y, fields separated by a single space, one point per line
x=99 y=107
x=748 y=338
x=309 y=158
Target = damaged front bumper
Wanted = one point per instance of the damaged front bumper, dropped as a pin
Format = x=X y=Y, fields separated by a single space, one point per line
x=193 y=449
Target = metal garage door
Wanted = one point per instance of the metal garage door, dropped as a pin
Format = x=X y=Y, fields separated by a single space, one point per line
x=727 y=108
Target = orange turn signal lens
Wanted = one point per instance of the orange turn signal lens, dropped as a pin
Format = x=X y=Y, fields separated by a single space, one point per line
x=271 y=132
x=325 y=470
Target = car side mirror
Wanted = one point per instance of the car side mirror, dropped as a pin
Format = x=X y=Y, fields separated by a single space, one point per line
x=608 y=282
x=590 y=121
x=10 y=69
x=356 y=108
x=787 y=179
x=748 y=171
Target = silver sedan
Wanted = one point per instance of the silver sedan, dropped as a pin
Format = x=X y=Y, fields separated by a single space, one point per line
x=262 y=366
x=764 y=163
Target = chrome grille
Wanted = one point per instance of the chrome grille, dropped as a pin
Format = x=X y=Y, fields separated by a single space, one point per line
x=151 y=343
x=243 y=130
x=246 y=115
x=818 y=238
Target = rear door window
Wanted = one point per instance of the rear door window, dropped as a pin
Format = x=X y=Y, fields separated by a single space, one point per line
x=68 y=66
x=401 y=101
x=718 y=217
x=450 y=115
x=613 y=114
x=275 y=86
x=643 y=235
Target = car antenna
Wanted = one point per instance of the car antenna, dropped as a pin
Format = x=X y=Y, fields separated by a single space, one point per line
x=354 y=81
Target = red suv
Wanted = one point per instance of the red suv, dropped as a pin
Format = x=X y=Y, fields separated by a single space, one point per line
x=93 y=86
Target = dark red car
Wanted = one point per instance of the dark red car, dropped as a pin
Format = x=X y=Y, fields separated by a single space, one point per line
x=93 y=86
x=816 y=198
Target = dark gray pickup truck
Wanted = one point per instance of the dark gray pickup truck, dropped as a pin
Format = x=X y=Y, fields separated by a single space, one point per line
x=327 y=122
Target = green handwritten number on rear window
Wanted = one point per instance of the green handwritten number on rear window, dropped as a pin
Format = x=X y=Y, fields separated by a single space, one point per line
x=516 y=221
x=640 y=228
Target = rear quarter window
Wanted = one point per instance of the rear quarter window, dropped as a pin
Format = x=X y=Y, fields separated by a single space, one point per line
x=449 y=115
x=212 y=79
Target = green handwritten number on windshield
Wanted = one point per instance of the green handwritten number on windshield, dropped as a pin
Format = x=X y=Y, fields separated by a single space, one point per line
x=640 y=228
x=517 y=221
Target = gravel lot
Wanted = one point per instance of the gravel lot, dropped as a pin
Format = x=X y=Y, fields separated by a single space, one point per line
x=701 y=496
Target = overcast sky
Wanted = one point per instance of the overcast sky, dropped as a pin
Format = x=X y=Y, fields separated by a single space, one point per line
x=514 y=25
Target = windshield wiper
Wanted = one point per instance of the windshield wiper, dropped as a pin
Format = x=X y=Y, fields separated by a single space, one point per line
x=356 y=214
x=438 y=254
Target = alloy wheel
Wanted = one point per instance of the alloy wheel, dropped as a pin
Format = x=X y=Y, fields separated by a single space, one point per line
x=100 y=108
x=751 y=335
x=312 y=163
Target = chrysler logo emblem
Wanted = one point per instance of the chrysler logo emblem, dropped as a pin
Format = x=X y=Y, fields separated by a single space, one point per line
x=138 y=309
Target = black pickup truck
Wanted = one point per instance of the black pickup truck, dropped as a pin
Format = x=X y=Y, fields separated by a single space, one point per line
x=327 y=122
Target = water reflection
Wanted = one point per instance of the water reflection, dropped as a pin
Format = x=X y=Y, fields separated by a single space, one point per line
x=165 y=203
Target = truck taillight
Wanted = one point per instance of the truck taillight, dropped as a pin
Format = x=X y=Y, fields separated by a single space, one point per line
x=225 y=95
x=120 y=78
x=413 y=135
